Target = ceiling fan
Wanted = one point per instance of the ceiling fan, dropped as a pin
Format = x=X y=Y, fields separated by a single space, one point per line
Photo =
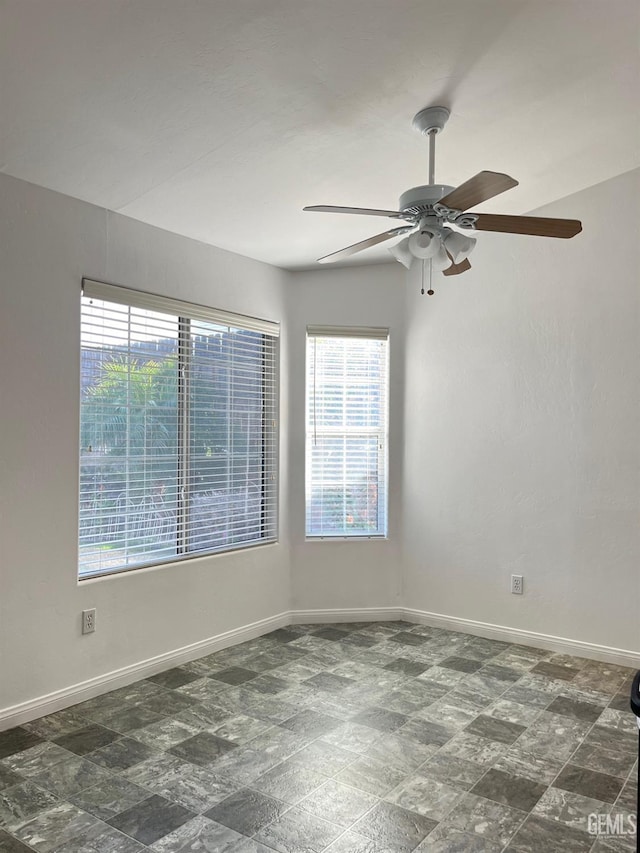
x=429 y=211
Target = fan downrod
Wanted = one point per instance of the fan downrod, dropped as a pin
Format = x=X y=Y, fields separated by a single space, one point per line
x=429 y=122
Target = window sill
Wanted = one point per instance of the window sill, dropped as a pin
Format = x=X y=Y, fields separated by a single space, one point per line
x=373 y=538
x=172 y=562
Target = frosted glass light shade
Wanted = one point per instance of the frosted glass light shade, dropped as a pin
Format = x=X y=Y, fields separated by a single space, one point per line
x=440 y=260
x=459 y=246
x=423 y=244
x=402 y=253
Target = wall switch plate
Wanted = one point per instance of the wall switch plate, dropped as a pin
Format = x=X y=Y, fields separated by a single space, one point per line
x=89 y=621
x=517 y=584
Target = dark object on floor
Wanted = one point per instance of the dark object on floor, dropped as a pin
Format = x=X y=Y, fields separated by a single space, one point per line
x=635 y=707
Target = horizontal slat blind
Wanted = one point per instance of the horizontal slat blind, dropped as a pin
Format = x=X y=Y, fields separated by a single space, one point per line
x=162 y=304
x=369 y=332
x=347 y=434
x=178 y=436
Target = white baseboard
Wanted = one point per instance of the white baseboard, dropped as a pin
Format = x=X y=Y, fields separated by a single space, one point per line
x=562 y=645
x=15 y=715
x=607 y=654
x=59 y=699
x=359 y=614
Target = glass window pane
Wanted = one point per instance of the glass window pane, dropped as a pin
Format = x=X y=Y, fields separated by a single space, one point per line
x=226 y=399
x=347 y=379
x=177 y=451
x=129 y=431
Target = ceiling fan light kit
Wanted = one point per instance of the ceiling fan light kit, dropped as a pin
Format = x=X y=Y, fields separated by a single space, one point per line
x=429 y=211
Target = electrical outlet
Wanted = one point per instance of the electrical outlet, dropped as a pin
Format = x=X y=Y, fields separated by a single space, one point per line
x=89 y=621
x=517 y=584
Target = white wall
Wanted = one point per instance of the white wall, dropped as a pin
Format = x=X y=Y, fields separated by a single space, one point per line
x=513 y=439
x=331 y=573
x=522 y=430
x=47 y=243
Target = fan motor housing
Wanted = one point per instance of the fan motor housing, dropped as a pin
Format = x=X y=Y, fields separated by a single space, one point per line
x=420 y=200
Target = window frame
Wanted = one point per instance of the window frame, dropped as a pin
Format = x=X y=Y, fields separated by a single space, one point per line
x=350 y=332
x=185 y=313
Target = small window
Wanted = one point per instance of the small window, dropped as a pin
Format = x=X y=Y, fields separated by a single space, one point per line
x=178 y=430
x=347 y=432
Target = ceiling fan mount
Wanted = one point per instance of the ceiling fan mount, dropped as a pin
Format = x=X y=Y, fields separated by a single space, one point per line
x=430 y=120
x=428 y=211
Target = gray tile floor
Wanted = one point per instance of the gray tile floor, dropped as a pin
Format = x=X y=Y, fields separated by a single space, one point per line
x=357 y=738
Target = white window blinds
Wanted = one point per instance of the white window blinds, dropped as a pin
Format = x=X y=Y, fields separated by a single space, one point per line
x=347 y=432
x=178 y=430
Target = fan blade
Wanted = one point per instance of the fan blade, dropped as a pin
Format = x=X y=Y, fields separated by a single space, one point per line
x=363 y=244
x=456 y=269
x=537 y=226
x=482 y=186
x=364 y=211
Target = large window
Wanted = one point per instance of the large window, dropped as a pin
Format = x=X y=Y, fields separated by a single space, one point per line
x=347 y=432
x=178 y=430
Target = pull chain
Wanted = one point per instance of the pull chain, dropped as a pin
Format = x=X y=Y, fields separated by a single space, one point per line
x=430 y=291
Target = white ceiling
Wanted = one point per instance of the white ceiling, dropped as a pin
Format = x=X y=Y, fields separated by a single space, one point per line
x=221 y=119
